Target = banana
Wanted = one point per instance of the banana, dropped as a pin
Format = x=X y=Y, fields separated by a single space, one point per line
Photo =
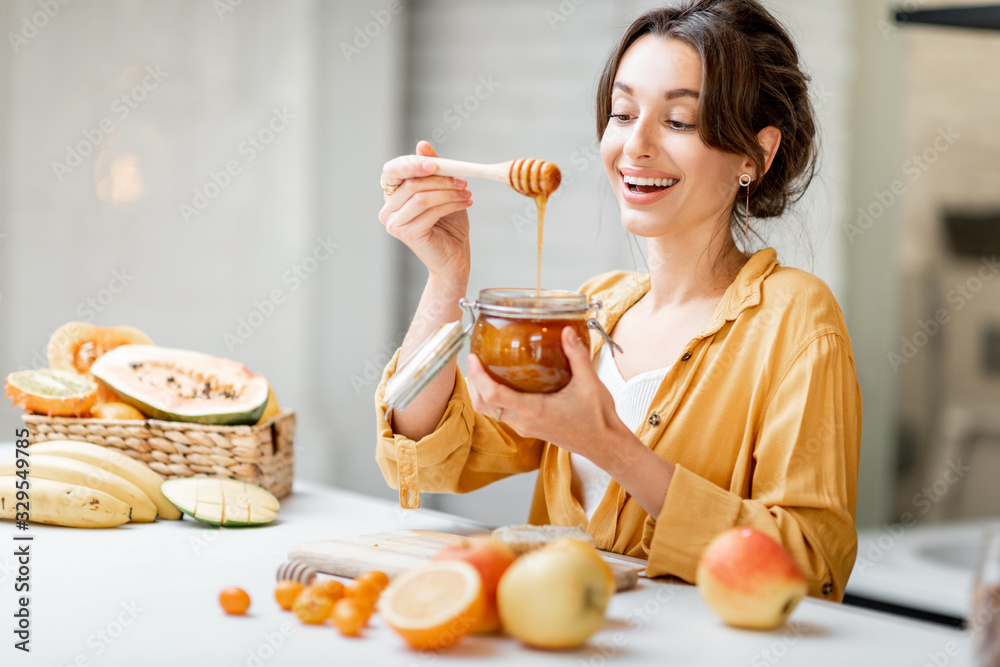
x=63 y=504
x=71 y=471
x=108 y=459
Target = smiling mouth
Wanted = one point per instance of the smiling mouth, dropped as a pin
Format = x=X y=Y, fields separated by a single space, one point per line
x=648 y=185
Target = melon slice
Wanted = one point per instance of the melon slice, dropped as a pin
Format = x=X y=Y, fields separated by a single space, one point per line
x=222 y=502
x=184 y=386
x=74 y=346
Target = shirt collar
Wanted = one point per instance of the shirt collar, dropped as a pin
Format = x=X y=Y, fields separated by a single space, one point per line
x=744 y=292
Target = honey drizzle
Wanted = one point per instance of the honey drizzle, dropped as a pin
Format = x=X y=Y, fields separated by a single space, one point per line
x=540 y=201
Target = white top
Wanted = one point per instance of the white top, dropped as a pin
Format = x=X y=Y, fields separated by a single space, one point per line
x=632 y=401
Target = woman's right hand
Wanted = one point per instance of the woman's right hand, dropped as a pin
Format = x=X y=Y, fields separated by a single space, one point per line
x=428 y=213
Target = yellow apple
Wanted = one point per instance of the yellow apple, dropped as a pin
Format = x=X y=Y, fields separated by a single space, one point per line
x=749 y=580
x=556 y=596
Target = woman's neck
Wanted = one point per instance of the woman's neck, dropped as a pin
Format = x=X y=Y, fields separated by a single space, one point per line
x=679 y=275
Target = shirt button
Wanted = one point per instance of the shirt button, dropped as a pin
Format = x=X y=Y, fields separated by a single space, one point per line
x=687 y=355
x=654 y=419
x=827 y=588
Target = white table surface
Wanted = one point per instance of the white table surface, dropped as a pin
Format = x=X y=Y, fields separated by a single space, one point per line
x=928 y=568
x=145 y=594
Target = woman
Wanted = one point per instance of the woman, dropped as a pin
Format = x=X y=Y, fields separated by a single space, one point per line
x=735 y=399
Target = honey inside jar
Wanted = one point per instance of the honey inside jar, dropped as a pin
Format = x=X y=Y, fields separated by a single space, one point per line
x=518 y=336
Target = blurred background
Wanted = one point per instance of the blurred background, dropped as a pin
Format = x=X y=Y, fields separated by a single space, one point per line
x=208 y=172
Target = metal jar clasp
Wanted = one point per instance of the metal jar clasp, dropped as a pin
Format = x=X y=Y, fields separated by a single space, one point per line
x=592 y=323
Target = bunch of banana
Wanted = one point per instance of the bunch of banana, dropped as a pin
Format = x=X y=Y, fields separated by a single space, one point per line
x=84 y=485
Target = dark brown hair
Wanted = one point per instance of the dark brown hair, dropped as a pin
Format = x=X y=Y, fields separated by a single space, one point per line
x=751 y=80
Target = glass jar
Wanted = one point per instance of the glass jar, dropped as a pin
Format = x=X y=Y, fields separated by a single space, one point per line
x=516 y=333
x=518 y=336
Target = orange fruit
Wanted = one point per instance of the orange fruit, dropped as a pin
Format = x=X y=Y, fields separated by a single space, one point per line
x=234 y=600
x=311 y=606
x=434 y=605
x=492 y=558
x=115 y=410
x=377 y=577
x=331 y=588
x=286 y=591
x=363 y=589
x=349 y=616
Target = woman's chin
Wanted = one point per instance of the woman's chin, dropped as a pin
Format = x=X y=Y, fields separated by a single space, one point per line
x=644 y=224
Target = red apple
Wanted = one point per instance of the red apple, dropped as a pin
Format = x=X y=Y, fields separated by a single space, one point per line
x=491 y=558
x=749 y=580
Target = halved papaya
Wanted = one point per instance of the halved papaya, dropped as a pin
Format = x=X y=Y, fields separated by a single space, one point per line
x=183 y=386
x=52 y=392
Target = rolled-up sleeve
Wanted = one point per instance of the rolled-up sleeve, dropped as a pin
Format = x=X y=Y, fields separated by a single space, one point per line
x=804 y=481
x=466 y=450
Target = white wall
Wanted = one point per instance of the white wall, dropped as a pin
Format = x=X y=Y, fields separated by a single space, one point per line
x=357 y=100
x=266 y=235
x=873 y=303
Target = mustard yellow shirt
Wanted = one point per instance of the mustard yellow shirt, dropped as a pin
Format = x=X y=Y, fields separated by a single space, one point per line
x=761 y=415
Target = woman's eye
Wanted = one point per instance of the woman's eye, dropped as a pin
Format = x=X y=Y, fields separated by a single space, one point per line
x=678 y=125
x=620 y=118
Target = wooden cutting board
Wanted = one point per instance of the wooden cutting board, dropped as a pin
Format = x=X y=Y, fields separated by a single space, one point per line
x=400 y=550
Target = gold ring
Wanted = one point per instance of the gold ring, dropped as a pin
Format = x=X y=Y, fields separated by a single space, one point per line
x=499 y=414
x=386 y=188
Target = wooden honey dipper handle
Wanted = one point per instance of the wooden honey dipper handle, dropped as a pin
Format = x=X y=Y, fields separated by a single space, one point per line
x=529 y=177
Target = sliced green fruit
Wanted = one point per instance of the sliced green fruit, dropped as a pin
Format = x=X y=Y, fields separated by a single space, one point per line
x=184 y=386
x=221 y=502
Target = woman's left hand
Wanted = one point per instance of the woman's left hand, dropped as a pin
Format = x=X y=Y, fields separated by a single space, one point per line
x=580 y=418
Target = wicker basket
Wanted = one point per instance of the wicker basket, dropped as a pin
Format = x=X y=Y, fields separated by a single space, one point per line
x=262 y=454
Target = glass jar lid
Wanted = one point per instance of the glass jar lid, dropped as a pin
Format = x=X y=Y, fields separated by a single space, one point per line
x=526 y=302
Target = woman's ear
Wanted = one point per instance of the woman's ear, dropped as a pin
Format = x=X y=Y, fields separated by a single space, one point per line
x=770 y=139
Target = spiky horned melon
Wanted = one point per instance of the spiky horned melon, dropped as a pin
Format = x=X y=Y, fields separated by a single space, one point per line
x=179 y=385
x=50 y=392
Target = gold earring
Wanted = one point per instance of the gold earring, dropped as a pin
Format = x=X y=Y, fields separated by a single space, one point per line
x=745 y=181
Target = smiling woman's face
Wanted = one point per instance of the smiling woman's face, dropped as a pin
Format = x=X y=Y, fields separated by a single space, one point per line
x=653 y=134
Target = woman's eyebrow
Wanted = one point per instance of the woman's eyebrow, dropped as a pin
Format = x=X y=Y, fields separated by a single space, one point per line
x=670 y=94
x=682 y=92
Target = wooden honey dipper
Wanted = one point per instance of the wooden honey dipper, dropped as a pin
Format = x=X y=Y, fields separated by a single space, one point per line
x=529 y=177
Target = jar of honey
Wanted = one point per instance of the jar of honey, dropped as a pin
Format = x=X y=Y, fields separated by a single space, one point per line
x=516 y=333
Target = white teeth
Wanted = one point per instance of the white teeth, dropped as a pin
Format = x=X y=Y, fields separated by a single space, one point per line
x=658 y=182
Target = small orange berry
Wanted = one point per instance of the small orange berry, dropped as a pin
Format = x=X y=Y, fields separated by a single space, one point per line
x=363 y=589
x=311 y=606
x=286 y=591
x=365 y=604
x=377 y=577
x=349 y=616
x=331 y=588
x=234 y=601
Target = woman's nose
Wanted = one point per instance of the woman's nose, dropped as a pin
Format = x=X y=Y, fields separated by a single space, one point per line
x=641 y=142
